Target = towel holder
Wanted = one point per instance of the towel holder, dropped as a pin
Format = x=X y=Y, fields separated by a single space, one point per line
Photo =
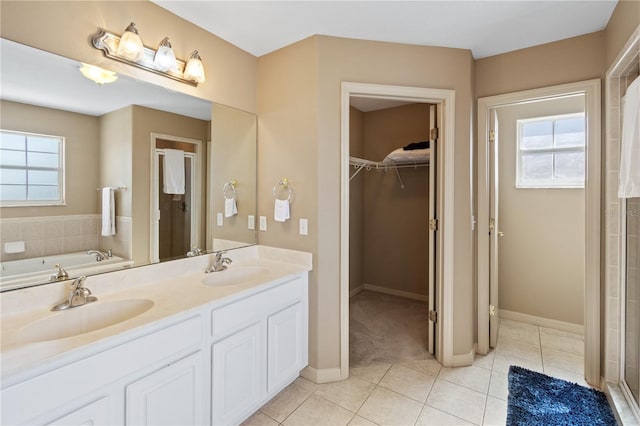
x=283 y=184
x=121 y=188
x=230 y=186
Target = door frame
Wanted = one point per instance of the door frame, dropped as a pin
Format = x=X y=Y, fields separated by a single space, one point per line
x=444 y=280
x=196 y=184
x=592 y=328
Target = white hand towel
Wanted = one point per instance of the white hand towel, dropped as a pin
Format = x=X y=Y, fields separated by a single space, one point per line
x=630 y=143
x=108 y=212
x=173 y=171
x=230 y=207
x=281 y=211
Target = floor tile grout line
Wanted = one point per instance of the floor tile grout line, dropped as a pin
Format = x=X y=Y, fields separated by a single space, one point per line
x=467 y=387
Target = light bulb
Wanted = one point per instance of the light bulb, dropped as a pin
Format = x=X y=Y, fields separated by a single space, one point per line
x=165 y=59
x=194 y=70
x=130 y=46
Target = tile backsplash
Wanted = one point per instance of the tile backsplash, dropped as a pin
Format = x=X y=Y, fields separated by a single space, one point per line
x=51 y=235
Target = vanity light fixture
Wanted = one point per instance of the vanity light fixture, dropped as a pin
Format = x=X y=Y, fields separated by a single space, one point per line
x=194 y=70
x=97 y=74
x=163 y=61
x=130 y=46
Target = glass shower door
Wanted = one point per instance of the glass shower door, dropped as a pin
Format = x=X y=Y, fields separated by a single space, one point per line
x=632 y=299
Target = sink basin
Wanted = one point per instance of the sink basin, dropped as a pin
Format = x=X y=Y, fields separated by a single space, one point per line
x=233 y=276
x=83 y=319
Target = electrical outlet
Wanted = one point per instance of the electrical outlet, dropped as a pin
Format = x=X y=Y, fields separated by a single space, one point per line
x=251 y=222
x=304 y=227
x=263 y=223
x=220 y=219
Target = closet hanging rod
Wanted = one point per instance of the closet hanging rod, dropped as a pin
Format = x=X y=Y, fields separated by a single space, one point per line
x=359 y=164
x=116 y=188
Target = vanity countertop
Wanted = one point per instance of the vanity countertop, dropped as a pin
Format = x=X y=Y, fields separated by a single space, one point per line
x=175 y=288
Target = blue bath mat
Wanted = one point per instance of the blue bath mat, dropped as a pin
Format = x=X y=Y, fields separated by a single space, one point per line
x=537 y=399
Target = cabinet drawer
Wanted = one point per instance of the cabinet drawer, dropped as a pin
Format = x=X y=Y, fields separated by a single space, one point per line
x=234 y=316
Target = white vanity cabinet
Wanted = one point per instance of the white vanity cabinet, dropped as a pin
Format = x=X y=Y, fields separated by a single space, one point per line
x=169 y=396
x=260 y=344
x=214 y=364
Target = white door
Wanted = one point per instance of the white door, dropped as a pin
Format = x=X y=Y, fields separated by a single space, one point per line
x=433 y=209
x=284 y=343
x=494 y=232
x=170 y=396
x=238 y=375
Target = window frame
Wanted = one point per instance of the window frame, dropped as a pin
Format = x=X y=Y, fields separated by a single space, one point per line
x=551 y=183
x=61 y=201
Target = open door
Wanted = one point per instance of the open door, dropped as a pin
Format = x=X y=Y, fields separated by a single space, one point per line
x=433 y=225
x=494 y=233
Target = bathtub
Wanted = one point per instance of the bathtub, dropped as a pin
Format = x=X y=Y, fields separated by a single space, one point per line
x=38 y=270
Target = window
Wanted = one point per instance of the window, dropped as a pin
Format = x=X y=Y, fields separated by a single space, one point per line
x=31 y=169
x=551 y=152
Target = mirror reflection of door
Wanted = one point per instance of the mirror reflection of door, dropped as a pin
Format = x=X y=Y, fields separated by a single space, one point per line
x=175 y=215
x=174 y=226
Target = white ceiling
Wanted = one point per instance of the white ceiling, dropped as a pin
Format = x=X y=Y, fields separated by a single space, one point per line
x=485 y=27
x=36 y=77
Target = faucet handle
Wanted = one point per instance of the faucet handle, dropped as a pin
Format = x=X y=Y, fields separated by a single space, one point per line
x=77 y=283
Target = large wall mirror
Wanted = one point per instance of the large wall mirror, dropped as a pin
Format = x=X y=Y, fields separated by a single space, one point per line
x=97 y=178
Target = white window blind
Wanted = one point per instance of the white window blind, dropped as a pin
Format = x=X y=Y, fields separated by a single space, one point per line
x=31 y=169
x=551 y=152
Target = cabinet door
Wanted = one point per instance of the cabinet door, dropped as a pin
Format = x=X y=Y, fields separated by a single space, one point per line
x=169 y=396
x=95 y=413
x=285 y=346
x=238 y=375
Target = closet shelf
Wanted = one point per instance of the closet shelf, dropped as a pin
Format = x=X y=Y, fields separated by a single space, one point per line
x=361 y=164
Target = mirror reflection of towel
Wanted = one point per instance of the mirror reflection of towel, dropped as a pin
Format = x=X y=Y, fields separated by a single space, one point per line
x=173 y=171
x=281 y=211
x=230 y=207
x=108 y=212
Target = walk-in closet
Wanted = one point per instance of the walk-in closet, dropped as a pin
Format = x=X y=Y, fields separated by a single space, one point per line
x=392 y=145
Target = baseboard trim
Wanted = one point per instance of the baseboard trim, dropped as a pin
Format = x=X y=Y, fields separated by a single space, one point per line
x=542 y=322
x=356 y=290
x=463 y=360
x=322 y=375
x=394 y=292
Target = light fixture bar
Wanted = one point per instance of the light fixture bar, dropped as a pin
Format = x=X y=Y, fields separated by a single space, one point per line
x=108 y=43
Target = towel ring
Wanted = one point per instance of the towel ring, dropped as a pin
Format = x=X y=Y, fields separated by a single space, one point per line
x=230 y=186
x=283 y=184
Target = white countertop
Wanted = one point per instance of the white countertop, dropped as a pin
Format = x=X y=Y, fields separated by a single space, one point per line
x=175 y=288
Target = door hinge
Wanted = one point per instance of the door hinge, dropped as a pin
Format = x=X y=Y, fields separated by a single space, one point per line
x=492 y=311
x=433 y=224
x=492 y=224
x=433 y=316
x=492 y=136
x=434 y=133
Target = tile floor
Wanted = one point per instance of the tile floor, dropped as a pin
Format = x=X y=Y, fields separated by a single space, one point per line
x=421 y=392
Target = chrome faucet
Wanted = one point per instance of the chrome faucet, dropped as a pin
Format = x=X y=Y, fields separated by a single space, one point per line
x=61 y=275
x=100 y=255
x=78 y=296
x=220 y=263
x=195 y=251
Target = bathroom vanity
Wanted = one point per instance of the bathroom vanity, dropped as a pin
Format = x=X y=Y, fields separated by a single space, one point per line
x=164 y=344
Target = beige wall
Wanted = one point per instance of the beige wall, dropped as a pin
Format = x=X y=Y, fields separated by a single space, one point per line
x=541 y=260
x=356 y=201
x=66 y=27
x=82 y=145
x=396 y=244
x=566 y=61
x=623 y=22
